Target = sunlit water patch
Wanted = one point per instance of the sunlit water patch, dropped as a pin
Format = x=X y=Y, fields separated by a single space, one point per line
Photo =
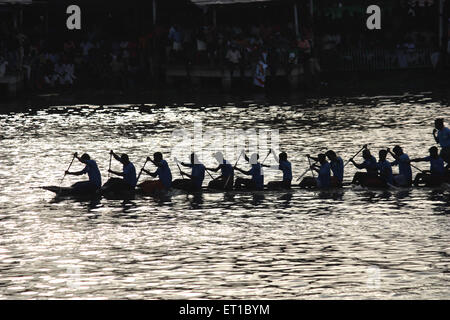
x=296 y=245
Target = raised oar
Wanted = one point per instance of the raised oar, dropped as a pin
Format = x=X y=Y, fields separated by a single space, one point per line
x=181 y=172
x=73 y=158
x=416 y=168
x=228 y=179
x=364 y=147
x=109 y=168
x=142 y=169
x=270 y=151
x=310 y=167
x=306 y=171
x=207 y=171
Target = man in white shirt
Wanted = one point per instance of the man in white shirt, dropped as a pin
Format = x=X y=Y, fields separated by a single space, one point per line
x=233 y=57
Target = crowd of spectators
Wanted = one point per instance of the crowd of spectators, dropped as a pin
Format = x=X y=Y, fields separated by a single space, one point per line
x=98 y=60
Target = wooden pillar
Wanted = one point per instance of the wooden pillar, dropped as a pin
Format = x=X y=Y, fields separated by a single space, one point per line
x=296 y=19
x=214 y=17
x=441 y=24
x=154 y=12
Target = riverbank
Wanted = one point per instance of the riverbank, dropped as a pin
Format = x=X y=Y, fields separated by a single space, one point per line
x=343 y=84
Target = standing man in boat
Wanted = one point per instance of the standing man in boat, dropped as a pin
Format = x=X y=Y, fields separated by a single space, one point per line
x=437 y=171
x=128 y=182
x=324 y=171
x=163 y=173
x=195 y=181
x=385 y=169
x=226 y=179
x=91 y=168
x=285 y=166
x=404 y=176
x=441 y=135
x=257 y=180
x=370 y=164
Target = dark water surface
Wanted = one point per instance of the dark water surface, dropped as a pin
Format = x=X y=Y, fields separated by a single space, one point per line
x=296 y=245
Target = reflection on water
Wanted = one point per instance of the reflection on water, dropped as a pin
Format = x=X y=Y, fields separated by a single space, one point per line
x=299 y=244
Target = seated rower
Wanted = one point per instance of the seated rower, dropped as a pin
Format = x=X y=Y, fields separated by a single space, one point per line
x=337 y=167
x=195 y=181
x=257 y=180
x=128 y=182
x=436 y=175
x=285 y=166
x=163 y=173
x=91 y=168
x=324 y=171
x=404 y=176
x=442 y=136
x=385 y=170
x=226 y=179
x=370 y=164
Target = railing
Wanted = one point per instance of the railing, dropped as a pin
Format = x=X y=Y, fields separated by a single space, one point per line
x=378 y=59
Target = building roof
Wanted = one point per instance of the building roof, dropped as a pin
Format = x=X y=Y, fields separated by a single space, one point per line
x=208 y=2
x=15 y=2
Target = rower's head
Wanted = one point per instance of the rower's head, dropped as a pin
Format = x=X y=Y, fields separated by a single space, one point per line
x=322 y=158
x=254 y=158
x=85 y=157
x=382 y=155
x=366 y=154
x=439 y=123
x=331 y=155
x=218 y=156
x=398 y=150
x=194 y=158
x=282 y=156
x=434 y=152
x=157 y=156
x=124 y=158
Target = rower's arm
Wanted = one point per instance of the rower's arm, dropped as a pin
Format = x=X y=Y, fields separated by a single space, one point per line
x=153 y=174
x=187 y=175
x=418 y=160
x=359 y=166
x=392 y=154
x=313 y=158
x=76 y=173
x=213 y=169
x=189 y=165
x=116 y=173
x=435 y=136
x=116 y=156
x=154 y=163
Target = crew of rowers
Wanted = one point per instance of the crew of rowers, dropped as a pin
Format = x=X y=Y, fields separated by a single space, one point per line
x=330 y=173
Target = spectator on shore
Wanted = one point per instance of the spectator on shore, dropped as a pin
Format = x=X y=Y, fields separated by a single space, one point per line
x=233 y=58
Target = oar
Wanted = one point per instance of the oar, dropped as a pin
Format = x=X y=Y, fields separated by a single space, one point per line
x=60 y=184
x=364 y=147
x=181 y=172
x=228 y=179
x=207 y=171
x=140 y=172
x=270 y=151
x=306 y=171
x=416 y=168
x=109 y=168
x=312 y=171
